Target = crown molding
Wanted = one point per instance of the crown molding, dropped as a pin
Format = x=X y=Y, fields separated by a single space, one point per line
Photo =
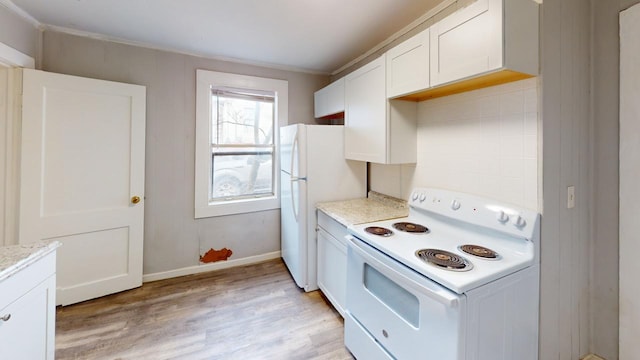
x=23 y=14
x=426 y=16
x=13 y=57
x=91 y=35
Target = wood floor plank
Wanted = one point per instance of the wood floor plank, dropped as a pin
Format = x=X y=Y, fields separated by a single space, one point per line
x=249 y=312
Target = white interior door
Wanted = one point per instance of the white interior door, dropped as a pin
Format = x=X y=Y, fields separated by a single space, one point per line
x=82 y=179
x=629 y=180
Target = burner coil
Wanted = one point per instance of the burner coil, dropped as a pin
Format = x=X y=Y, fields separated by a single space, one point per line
x=411 y=227
x=444 y=259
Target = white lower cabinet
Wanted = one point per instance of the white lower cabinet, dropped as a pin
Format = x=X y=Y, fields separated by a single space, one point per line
x=332 y=261
x=27 y=312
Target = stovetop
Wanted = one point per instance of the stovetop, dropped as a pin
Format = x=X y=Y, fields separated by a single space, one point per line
x=454 y=220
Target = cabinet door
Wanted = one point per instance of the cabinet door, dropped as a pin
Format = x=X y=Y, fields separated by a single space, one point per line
x=408 y=66
x=28 y=329
x=320 y=103
x=330 y=99
x=365 y=131
x=466 y=43
x=332 y=269
x=335 y=97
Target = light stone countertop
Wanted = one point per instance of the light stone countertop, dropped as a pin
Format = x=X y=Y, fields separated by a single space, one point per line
x=376 y=207
x=14 y=258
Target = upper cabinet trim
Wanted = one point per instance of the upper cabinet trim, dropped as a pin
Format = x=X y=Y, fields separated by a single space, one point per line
x=14 y=58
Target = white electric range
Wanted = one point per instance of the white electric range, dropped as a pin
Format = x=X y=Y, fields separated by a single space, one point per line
x=458 y=279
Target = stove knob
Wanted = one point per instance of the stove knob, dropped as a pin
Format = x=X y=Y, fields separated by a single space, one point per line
x=518 y=221
x=502 y=216
x=414 y=196
x=423 y=197
x=455 y=204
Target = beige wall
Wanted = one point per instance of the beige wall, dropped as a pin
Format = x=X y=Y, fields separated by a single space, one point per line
x=173 y=238
x=604 y=286
x=567 y=152
x=605 y=96
x=18 y=33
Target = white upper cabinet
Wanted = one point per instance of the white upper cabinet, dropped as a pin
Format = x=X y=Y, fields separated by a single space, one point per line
x=486 y=43
x=330 y=99
x=376 y=129
x=486 y=36
x=408 y=66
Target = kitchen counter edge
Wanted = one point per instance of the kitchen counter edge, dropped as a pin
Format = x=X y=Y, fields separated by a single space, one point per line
x=14 y=258
x=375 y=207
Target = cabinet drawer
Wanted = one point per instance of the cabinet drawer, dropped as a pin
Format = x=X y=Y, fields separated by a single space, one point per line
x=333 y=227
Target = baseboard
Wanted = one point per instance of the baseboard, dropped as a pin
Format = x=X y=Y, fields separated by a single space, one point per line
x=210 y=267
x=592 y=357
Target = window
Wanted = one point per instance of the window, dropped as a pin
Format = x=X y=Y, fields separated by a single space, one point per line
x=242 y=146
x=237 y=121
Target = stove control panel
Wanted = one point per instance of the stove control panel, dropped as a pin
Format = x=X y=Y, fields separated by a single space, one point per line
x=477 y=210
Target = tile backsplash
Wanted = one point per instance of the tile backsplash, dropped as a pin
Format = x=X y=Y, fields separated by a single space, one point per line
x=483 y=142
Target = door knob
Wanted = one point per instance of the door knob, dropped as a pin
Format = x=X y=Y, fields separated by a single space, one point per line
x=135 y=199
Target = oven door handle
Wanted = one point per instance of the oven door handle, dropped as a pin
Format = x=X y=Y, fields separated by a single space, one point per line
x=433 y=291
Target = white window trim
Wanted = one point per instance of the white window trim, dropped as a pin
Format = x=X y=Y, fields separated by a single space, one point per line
x=205 y=80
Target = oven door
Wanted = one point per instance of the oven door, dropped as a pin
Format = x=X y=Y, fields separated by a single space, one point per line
x=399 y=311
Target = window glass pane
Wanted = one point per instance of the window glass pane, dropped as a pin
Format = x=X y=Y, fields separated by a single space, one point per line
x=242 y=149
x=237 y=174
x=241 y=120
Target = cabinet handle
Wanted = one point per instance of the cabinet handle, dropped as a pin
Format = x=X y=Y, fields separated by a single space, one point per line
x=6 y=317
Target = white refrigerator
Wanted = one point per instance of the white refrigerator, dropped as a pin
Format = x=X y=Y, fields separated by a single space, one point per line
x=312 y=170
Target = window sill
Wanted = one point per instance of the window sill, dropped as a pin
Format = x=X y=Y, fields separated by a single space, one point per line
x=233 y=207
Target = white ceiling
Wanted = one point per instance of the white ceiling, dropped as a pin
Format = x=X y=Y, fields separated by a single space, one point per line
x=310 y=35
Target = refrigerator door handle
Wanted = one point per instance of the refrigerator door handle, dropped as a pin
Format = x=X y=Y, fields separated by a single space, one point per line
x=294 y=149
x=293 y=198
x=294 y=146
x=293 y=202
x=294 y=179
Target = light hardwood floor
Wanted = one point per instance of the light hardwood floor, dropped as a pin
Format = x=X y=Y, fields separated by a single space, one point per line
x=249 y=312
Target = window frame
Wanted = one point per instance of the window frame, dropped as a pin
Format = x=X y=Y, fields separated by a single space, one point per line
x=205 y=81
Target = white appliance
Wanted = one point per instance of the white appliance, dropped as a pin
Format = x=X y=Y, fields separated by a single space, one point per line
x=313 y=169
x=458 y=279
